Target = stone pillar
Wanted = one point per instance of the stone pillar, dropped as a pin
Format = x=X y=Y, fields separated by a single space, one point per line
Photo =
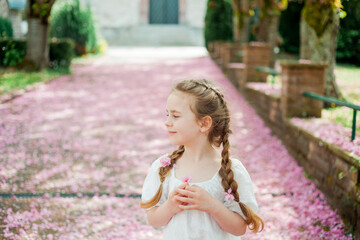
x=15 y=17
x=297 y=78
x=144 y=11
x=235 y=48
x=224 y=55
x=211 y=48
x=256 y=54
x=229 y=54
x=215 y=49
x=236 y=74
x=4 y=9
x=219 y=50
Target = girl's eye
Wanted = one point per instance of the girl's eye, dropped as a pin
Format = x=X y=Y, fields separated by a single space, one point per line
x=173 y=116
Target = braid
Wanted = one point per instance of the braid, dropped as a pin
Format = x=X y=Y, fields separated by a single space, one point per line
x=163 y=173
x=253 y=221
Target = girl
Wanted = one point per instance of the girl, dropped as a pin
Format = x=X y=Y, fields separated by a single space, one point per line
x=215 y=199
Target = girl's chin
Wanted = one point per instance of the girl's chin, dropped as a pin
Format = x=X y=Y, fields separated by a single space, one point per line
x=176 y=143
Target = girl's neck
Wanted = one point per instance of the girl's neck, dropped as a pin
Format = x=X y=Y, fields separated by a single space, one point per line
x=198 y=154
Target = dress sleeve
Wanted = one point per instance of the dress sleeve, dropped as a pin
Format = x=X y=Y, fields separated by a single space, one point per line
x=152 y=183
x=245 y=190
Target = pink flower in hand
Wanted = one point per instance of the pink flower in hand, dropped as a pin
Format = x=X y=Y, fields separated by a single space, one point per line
x=186 y=179
x=166 y=161
x=228 y=195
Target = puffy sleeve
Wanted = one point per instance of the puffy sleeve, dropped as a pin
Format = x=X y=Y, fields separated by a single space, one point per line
x=152 y=183
x=245 y=190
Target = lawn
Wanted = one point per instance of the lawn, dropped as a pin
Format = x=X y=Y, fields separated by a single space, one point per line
x=17 y=80
x=348 y=79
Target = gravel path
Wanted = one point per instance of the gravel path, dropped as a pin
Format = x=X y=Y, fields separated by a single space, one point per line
x=99 y=129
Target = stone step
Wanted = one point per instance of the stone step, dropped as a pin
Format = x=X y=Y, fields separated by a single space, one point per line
x=154 y=35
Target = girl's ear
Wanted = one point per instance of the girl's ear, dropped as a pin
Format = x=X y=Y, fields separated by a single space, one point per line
x=205 y=124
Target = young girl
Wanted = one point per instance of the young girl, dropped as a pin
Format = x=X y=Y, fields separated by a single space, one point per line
x=195 y=191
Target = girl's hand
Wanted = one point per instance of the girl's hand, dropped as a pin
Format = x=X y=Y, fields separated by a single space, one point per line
x=173 y=202
x=195 y=198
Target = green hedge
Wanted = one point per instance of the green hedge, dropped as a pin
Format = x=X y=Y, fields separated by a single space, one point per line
x=348 y=48
x=61 y=52
x=218 y=21
x=69 y=20
x=12 y=53
x=289 y=27
x=6 y=29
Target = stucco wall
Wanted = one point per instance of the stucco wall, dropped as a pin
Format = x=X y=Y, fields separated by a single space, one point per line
x=125 y=22
x=195 y=12
x=124 y=13
x=116 y=13
x=4 y=8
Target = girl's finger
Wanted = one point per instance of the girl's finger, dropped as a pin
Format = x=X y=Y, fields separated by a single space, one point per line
x=187 y=207
x=177 y=192
x=185 y=193
x=192 y=188
x=182 y=186
x=184 y=199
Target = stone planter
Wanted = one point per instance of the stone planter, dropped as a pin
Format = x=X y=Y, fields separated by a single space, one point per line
x=299 y=77
x=236 y=74
x=256 y=54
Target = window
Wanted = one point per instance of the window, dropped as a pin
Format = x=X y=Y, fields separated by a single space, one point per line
x=164 y=12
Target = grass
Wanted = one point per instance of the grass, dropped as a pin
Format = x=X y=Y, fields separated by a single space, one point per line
x=348 y=80
x=11 y=80
x=86 y=59
x=342 y=115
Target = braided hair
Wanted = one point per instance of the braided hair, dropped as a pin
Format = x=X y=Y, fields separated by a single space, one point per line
x=210 y=102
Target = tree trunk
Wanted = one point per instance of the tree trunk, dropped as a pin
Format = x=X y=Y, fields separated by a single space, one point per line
x=268 y=29
x=236 y=20
x=245 y=30
x=322 y=49
x=37 y=53
x=241 y=23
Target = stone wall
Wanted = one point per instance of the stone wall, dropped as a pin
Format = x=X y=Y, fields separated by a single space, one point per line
x=16 y=19
x=322 y=161
x=334 y=172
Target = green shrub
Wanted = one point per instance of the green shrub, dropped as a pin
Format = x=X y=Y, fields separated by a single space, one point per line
x=218 y=21
x=12 y=52
x=6 y=29
x=289 y=27
x=348 y=47
x=61 y=53
x=71 y=21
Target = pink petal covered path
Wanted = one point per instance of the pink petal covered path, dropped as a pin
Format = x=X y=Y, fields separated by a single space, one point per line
x=99 y=129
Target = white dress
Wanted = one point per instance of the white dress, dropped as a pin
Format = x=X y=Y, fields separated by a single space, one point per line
x=194 y=224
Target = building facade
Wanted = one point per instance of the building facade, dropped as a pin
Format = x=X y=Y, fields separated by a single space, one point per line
x=150 y=22
x=12 y=9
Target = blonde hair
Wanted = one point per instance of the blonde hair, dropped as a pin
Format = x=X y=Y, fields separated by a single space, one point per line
x=209 y=101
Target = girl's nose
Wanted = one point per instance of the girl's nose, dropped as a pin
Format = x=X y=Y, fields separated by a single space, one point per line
x=167 y=122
